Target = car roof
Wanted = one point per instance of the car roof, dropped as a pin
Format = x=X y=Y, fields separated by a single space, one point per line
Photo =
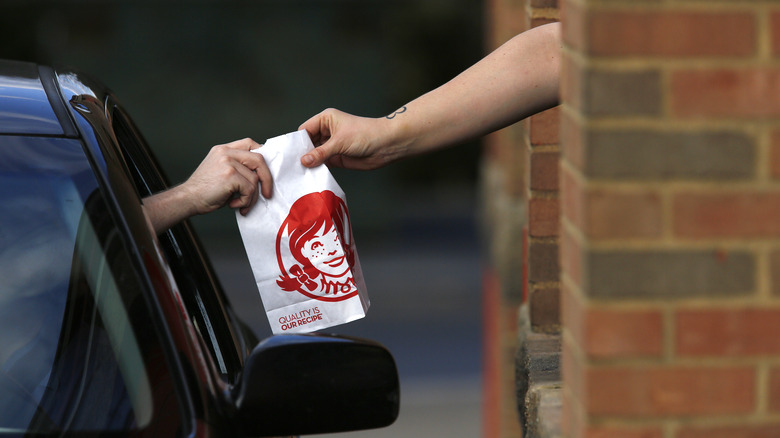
x=31 y=102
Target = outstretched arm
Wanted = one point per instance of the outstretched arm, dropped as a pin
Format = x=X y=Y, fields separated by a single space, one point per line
x=517 y=80
x=229 y=175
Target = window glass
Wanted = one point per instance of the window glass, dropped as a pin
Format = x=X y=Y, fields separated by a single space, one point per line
x=78 y=351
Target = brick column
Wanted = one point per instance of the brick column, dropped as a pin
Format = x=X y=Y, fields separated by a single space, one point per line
x=670 y=246
x=520 y=192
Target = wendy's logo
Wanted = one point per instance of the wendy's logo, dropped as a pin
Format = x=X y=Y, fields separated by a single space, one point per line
x=315 y=249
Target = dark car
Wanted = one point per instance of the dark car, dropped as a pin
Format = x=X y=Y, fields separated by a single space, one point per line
x=107 y=329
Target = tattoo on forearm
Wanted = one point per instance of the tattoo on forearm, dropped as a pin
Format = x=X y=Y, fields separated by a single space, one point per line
x=399 y=111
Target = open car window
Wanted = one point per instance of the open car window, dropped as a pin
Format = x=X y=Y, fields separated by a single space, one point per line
x=78 y=350
x=199 y=289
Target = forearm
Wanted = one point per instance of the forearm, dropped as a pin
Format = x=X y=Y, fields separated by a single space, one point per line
x=515 y=81
x=167 y=208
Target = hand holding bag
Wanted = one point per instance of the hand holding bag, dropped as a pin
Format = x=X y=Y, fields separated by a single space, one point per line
x=300 y=244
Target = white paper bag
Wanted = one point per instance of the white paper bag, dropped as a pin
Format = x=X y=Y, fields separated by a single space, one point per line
x=300 y=244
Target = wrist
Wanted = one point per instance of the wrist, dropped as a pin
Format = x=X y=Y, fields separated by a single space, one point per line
x=397 y=138
x=184 y=200
x=169 y=207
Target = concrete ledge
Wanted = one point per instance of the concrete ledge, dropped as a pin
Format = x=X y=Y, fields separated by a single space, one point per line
x=538 y=380
x=543 y=412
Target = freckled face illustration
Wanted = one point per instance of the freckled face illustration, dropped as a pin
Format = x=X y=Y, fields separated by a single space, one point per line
x=318 y=224
x=319 y=238
x=324 y=252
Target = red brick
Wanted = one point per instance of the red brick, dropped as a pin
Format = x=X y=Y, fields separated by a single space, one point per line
x=774 y=155
x=624 y=432
x=540 y=21
x=543 y=217
x=612 y=215
x=503 y=151
x=671 y=33
x=735 y=214
x=767 y=430
x=514 y=162
x=543 y=261
x=774 y=389
x=545 y=305
x=727 y=332
x=661 y=391
x=642 y=272
x=616 y=333
x=544 y=171
x=775 y=24
x=493 y=146
x=524 y=267
x=742 y=93
x=573 y=19
x=571 y=258
x=506 y=19
x=573 y=315
x=572 y=422
x=544 y=3
x=774 y=269
x=605 y=214
x=571 y=84
x=543 y=127
x=572 y=142
x=572 y=199
x=572 y=372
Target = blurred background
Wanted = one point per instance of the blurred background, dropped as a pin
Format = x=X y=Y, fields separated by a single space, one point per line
x=198 y=73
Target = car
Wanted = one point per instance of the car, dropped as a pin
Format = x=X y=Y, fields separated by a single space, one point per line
x=109 y=329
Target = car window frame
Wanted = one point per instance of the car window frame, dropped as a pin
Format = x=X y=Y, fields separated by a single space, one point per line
x=214 y=319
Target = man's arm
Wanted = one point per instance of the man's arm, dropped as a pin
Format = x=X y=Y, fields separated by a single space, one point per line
x=229 y=175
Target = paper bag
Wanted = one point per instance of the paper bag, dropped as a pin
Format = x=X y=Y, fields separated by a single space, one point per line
x=300 y=244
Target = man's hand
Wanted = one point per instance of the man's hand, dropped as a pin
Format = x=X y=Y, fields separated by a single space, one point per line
x=229 y=175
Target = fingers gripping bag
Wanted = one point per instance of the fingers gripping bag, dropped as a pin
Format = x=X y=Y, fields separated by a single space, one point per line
x=300 y=244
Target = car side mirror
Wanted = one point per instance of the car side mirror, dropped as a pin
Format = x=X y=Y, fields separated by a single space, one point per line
x=303 y=384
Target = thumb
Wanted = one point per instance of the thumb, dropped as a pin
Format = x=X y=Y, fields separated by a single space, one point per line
x=319 y=155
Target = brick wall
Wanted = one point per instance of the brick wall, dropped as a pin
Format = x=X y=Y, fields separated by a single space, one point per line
x=520 y=191
x=670 y=229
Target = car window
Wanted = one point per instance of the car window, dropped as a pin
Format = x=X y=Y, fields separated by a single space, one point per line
x=200 y=292
x=78 y=349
